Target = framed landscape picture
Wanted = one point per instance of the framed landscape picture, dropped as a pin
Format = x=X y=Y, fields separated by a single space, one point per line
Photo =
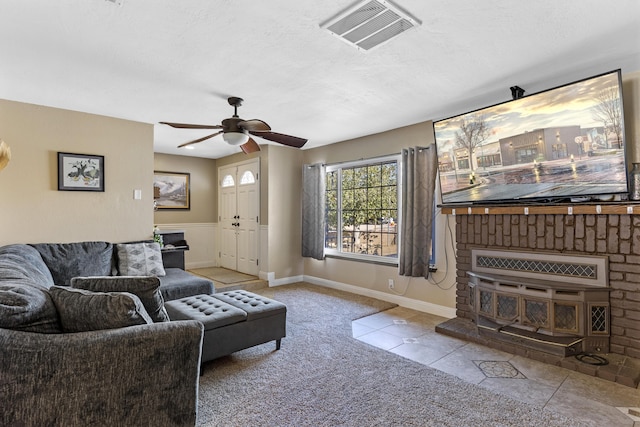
x=171 y=190
x=80 y=172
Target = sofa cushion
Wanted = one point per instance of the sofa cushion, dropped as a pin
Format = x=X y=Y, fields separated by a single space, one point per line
x=22 y=264
x=179 y=284
x=27 y=308
x=68 y=260
x=81 y=310
x=140 y=259
x=25 y=304
x=147 y=288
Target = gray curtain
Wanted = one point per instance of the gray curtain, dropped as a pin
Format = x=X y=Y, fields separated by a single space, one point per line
x=313 y=189
x=419 y=168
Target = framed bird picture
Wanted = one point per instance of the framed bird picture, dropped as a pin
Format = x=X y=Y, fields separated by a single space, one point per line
x=80 y=172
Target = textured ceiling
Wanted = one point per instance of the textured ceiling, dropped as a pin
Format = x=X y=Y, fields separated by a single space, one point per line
x=159 y=60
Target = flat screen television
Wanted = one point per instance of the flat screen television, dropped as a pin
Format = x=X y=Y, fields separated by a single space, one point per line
x=565 y=144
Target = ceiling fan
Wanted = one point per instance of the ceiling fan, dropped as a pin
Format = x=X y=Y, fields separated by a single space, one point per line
x=236 y=131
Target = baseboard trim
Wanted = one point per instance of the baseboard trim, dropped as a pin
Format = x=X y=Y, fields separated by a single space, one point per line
x=426 y=307
x=266 y=275
x=285 y=281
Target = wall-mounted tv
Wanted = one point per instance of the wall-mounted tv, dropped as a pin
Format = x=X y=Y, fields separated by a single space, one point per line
x=564 y=144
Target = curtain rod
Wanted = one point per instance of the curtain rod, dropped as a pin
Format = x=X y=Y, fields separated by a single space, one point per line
x=362 y=159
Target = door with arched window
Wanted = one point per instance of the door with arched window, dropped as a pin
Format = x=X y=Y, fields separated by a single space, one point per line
x=239 y=216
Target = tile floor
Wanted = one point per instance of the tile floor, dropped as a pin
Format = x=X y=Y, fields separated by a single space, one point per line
x=411 y=334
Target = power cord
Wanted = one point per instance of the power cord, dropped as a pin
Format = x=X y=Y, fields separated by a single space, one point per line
x=591 y=359
x=446 y=257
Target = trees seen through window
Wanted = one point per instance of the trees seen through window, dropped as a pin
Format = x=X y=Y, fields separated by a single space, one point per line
x=362 y=209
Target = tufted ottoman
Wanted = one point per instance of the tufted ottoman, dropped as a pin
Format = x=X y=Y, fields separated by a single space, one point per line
x=233 y=320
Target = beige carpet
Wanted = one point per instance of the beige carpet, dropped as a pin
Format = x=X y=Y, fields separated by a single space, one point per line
x=322 y=377
x=223 y=275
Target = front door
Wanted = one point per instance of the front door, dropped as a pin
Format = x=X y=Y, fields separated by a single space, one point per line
x=239 y=216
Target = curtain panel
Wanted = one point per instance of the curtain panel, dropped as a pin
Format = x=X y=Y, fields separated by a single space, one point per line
x=419 y=169
x=313 y=207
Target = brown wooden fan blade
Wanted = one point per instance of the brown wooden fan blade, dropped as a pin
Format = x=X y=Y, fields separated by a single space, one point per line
x=190 y=126
x=291 y=141
x=250 y=146
x=254 y=125
x=195 y=141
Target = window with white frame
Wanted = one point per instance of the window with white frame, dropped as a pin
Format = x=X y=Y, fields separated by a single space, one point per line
x=362 y=202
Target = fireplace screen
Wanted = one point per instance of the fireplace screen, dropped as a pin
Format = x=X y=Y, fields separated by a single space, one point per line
x=507 y=307
x=553 y=314
x=566 y=317
x=486 y=302
x=536 y=313
x=599 y=316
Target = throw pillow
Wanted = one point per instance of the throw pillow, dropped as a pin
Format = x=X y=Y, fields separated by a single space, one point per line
x=140 y=259
x=82 y=310
x=147 y=288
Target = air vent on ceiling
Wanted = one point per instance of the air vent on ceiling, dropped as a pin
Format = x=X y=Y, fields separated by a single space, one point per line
x=370 y=23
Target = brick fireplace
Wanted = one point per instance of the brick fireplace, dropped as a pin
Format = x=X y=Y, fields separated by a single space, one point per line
x=614 y=236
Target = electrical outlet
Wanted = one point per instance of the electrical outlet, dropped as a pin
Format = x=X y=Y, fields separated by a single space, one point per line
x=391 y=284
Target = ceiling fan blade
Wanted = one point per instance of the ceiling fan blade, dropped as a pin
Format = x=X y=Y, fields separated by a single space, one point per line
x=254 y=125
x=291 y=141
x=195 y=141
x=250 y=146
x=190 y=126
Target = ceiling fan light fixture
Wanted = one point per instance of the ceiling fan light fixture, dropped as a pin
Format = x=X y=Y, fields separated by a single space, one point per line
x=235 y=131
x=235 y=138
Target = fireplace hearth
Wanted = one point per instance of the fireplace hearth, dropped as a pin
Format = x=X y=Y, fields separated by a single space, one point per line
x=610 y=232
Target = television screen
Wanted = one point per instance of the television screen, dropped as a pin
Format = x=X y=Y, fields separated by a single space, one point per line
x=564 y=144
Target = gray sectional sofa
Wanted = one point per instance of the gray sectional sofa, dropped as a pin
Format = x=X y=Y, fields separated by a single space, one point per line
x=73 y=355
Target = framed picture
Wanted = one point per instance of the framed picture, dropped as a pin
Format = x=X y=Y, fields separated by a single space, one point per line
x=171 y=190
x=80 y=172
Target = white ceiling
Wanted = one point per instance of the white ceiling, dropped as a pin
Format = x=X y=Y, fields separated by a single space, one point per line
x=160 y=60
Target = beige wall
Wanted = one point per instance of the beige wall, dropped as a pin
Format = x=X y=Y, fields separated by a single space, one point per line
x=285 y=212
x=439 y=291
x=199 y=223
x=203 y=189
x=33 y=210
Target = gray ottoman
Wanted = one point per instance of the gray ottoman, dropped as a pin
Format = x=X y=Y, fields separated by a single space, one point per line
x=233 y=320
